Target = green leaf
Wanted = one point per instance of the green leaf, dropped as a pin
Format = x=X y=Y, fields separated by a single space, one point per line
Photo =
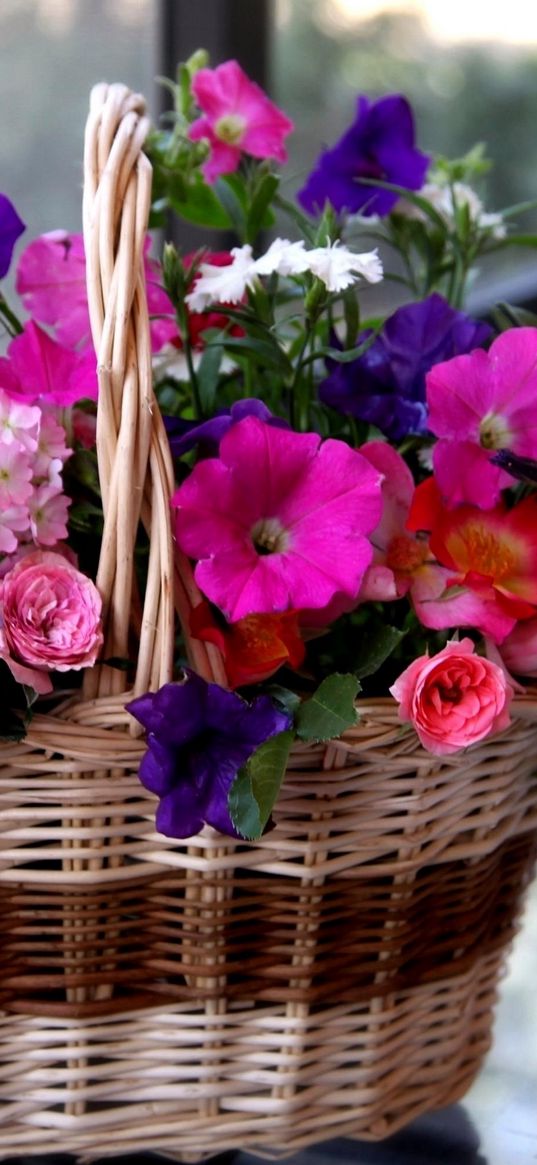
x=330 y=710
x=208 y=376
x=507 y=315
x=287 y=699
x=267 y=352
x=374 y=649
x=351 y=313
x=231 y=198
x=199 y=205
x=257 y=784
x=256 y=218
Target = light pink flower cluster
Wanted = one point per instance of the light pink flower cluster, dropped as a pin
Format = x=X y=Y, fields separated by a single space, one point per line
x=33 y=450
x=50 y=619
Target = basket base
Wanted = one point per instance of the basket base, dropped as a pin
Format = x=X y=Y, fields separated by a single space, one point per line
x=270 y=1082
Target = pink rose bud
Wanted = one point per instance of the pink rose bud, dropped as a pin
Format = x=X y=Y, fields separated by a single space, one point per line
x=454 y=698
x=50 y=617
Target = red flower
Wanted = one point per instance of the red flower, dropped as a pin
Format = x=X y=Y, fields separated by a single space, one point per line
x=254 y=647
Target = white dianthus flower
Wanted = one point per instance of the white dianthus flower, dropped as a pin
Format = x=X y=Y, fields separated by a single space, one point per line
x=338 y=268
x=283 y=257
x=223 y=284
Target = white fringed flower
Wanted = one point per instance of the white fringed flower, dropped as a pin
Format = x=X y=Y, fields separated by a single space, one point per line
x=446 y=199
x=223 y=284
x=335 y=265
x=338 y=267
x=285 y=258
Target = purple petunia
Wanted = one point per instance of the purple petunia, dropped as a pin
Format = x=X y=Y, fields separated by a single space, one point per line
x=198 y=737
x=185 y=435
x=386 y=385
x=378 y=145
x=11 y=226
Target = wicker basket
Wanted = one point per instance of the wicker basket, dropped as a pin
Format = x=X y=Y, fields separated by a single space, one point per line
x=337 y=977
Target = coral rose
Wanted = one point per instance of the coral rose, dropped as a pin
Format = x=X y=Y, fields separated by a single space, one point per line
x=454 y=698
x=50 y=618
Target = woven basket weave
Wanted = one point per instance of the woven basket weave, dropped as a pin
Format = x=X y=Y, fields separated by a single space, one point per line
x=335 y=978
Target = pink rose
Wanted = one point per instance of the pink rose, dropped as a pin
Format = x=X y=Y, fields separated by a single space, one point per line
x=454 y=698
x=50 y=618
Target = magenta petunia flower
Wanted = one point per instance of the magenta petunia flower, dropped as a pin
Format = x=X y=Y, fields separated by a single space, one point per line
x=39 y=369
x=478 y=404
x=279 y=520
x=238 y=118
x=51 y=281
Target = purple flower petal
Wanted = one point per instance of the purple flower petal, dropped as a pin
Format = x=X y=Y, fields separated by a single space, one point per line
x=199 y=737
x=379 y=144
x=185 y=435
x=11 y=227
x=386 y=385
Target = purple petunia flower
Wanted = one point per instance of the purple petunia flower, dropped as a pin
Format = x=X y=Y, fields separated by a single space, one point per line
x=386 y=385
x=185 y=435
x=11 y=226
x=199 y=736
x=379 y=144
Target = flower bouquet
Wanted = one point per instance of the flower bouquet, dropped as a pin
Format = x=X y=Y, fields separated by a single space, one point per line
x=268 y=623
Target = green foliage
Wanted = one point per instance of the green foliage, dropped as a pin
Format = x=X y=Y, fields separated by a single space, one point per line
x=330 y=710
x=256 y=786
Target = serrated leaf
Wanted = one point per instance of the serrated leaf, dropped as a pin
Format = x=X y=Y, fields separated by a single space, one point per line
x=330 y=710
x=375 y=648
x=257 y=784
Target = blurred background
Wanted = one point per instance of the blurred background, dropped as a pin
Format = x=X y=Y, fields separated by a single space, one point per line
x=469 y=67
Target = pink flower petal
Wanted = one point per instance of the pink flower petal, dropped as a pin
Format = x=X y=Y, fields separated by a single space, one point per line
x=51 y=281
x=44 y=370
x=315 y=502
x=438 y=605
x=465 y=473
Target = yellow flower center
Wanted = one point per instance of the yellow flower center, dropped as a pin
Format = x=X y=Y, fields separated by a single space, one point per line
x=486 y=554
x=230 y=128
x=494 y=432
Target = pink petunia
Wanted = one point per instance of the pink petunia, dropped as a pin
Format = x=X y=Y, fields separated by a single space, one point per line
x=37 y=368
x=278 y=521
x=480 y=403
x=238 y=118
x=51 y=281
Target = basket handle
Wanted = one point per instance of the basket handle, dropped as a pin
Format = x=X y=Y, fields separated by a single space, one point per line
x=134 y=461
